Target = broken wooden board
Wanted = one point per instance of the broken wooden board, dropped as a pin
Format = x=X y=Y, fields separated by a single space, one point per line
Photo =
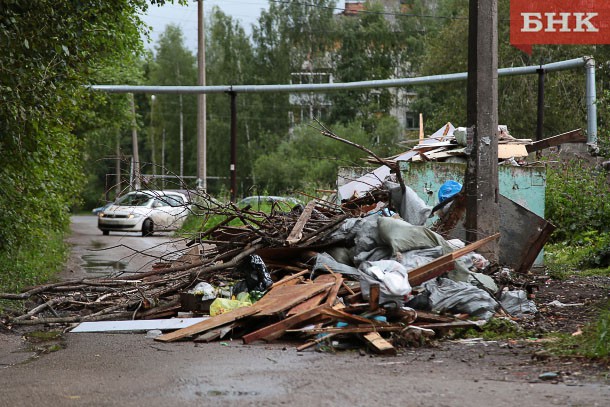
x=274 y=331
x=285 y=297
x=511 y=150
x=349 y=329
x=316 y=299
x=297 y=231
x=574 y=136
x=138 y=325
x=444 y=263
x=211 y=323
x=378 y=344
x=217 y=333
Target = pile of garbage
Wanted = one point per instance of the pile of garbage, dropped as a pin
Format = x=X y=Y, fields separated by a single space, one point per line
x=366 y=269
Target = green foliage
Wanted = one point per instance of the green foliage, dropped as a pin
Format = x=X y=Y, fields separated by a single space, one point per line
x=586 y=256
x=577 y=200
x=309 y=160
x=496 y=329
x=34 y=262
x=594 y=342
x=50 y=49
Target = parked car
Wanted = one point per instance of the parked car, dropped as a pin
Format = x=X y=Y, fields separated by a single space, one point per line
x=261 y=199
x=145 y=212
x=99 y=209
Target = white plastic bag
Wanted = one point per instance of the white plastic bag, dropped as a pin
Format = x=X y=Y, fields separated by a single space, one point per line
x=392 y=279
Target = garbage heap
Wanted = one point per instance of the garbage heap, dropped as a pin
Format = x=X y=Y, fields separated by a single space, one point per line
x=355 y=271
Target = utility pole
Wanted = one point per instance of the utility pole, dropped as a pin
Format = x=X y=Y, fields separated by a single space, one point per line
x=481 y=180
x=201 y=104
x=134 y=145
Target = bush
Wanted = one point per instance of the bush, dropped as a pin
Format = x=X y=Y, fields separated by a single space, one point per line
x=577 y=200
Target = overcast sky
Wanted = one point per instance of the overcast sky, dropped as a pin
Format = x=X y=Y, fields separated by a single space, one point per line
x=246 y=11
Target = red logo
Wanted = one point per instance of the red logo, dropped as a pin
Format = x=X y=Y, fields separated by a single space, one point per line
x=559 y=22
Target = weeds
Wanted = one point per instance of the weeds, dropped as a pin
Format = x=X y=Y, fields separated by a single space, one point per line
x=594 y=342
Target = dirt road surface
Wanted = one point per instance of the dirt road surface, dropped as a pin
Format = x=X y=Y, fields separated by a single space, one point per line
x=132 y=370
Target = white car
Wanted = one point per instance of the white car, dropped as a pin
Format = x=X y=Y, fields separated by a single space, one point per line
x=146 y=212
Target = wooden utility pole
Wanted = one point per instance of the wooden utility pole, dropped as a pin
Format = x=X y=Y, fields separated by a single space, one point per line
x=481 y=180
x=201 y=103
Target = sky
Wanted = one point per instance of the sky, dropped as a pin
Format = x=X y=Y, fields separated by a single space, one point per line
x=246 y=11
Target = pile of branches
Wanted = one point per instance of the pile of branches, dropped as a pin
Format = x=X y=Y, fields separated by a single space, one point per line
x=215 y=256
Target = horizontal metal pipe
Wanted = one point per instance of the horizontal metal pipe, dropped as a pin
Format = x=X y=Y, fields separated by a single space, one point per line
x=385 y=83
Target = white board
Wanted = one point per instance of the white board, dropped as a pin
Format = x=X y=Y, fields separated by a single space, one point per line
x=137 y=325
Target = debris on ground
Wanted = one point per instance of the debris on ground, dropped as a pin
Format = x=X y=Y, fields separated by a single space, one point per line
x=365 y=270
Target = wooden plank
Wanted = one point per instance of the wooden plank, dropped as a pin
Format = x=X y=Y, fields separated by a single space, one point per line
x=349 y=329
x=297 y=231
x=574 y=136
x=448 y=325
x=283 y=298
x=276 y=330
x=316 y=299
x=332 y=295
x=292 y=279
x=211 y=323
x=511 y=150
x=444 y=263
x=374 y=297
x=349 y=318
x=217 y=333
x=378 y=344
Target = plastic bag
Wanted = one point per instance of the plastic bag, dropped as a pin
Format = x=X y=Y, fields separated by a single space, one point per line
x=206 y=290
x=255 y=271
x=460 y=297
x=448 y=189
x=391 y=277
x=222 y=305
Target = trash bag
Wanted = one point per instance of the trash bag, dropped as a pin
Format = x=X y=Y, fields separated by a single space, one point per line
x=411 y=207
x=517 y=304
x=402 y=236
x=222 y=305
x=255 y=271
x=448 y=189
x=391 y=277
x=324 y=260
x=206 y=290
x=460 y=297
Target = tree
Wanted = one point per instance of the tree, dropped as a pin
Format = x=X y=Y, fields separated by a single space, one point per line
x=50 y=50
x=446 y=52
x=174 y=64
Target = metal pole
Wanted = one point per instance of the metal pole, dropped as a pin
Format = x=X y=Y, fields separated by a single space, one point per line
x=319 y=87
x=481 y=180
x=201 y=103
x=591 y=97
x=540 y=121
x=233 y=168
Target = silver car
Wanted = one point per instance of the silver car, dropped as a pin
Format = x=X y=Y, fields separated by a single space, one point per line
x=145 y=212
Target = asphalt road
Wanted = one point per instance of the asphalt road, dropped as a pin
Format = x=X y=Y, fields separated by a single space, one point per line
x=127 y=252
x=93 y=369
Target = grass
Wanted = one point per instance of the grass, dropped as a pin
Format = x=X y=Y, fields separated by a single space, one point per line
x=496 y=329
x=563 y=260
x=35 y=262
x=594 y=342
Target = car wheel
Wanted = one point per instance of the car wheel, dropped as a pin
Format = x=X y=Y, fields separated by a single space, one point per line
x=105 y=232
x=147 y=228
